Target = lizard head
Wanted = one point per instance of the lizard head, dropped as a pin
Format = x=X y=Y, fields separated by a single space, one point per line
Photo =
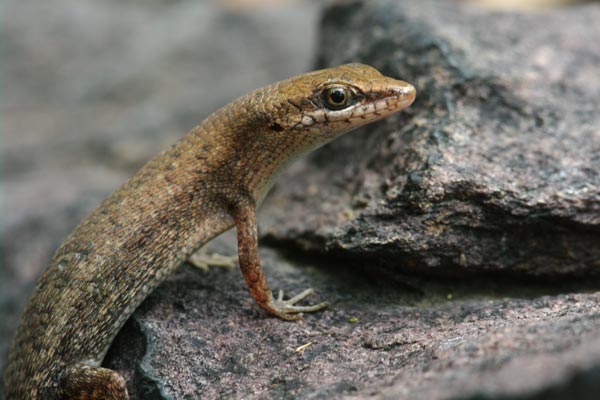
x=276 y=124
x=321 y=105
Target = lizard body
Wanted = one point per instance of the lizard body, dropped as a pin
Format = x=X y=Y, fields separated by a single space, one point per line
x=211 y=180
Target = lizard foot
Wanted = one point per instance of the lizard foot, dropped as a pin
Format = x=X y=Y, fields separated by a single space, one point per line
x=288 y=310
x=80 y=381
x=204 y=261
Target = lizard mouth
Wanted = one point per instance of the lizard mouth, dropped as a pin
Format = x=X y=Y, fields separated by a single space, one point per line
x=387 y=101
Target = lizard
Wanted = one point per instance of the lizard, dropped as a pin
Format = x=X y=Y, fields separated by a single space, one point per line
x=211 y=180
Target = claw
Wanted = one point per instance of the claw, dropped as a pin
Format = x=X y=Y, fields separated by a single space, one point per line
x=204 y=261
x=287 y=309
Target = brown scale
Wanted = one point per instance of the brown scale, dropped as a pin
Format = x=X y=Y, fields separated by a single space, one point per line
x=211 y=180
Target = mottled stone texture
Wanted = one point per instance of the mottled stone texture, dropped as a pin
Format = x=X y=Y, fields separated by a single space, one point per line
x=201 y=336
x=494 y=168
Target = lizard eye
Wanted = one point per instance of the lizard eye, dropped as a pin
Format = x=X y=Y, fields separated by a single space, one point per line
x=336 y=97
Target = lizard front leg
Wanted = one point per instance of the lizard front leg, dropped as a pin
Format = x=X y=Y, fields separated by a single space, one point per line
x=85 y=382
x=244 y=215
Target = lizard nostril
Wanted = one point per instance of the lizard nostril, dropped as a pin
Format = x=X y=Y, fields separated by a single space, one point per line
x=406 y=90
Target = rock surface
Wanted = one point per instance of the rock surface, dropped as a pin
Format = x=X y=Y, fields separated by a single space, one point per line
x=494 y=167
x=200 y=336
x=491 y=171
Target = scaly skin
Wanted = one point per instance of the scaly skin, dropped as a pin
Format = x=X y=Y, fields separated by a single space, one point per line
x=210 y=181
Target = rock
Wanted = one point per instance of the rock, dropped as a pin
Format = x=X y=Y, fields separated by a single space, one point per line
x=493 y=169
x=200 y=336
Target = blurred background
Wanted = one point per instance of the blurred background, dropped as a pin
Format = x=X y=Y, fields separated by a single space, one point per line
x=89 y=90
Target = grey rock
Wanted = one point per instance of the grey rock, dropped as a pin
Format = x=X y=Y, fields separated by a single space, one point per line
x=200 y=336
x=493 y=169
